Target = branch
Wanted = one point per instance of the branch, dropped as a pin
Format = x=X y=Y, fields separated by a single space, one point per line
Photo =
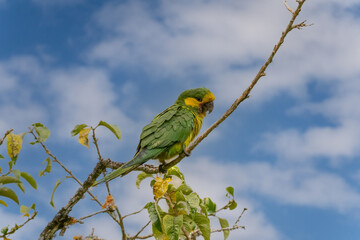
x=234 y=227
x=261 y=73
x=17 y=227
x=6 y=133
x=91 y=215
x=61 y=217
x=142 y=229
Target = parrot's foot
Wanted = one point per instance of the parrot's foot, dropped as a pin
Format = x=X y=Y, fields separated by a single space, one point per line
x=186 y=153
x=161 y=168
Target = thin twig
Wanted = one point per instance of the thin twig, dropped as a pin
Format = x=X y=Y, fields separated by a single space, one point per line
x=226 y=206
x=228 y=229
x=145 y=237
x=288 y=7
x=93 y=214
x=6 y=133
x=238 y=219
x=17 y=227
x=142 y=229
x=121 y=223
x=130 y=214
x=95 y=141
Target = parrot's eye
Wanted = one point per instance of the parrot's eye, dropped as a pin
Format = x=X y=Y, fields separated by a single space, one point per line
x=198 y=98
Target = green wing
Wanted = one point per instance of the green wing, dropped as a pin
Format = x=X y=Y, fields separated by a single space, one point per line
x=170 y=127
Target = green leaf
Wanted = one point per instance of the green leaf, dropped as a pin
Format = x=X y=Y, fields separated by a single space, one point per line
x=210 y=206
x=174 y=171
x=224 y=224
x=58 y=182
x=7 y=192
x=112 y=127
x=182 y=208
x=16 y=173
x=230 y=190
x=42 y=131
x=179 y=196
x=152 y=182
x=141 y=177
x=172 y=226
x=77 y=129
x=154 y=216
x=10 y=165
x=29 y=179
x=47 y=168
x=1 y=156
x=185 y=189
x=203 y=223
x=3 y=203
x=8 y=179
x=233 y=205
x=193 y=200
x=21 y=186
x=5 y=230
x=188 y=223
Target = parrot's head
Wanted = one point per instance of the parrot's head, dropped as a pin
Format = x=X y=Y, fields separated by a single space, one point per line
x=199 y=99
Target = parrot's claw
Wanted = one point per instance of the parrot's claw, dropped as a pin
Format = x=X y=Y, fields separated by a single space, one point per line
x=187 y=153
x=161 y=169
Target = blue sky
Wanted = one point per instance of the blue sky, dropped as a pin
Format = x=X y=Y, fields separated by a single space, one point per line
x=291 y=151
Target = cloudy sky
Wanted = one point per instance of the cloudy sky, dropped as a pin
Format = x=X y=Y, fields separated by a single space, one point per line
x=291 y=151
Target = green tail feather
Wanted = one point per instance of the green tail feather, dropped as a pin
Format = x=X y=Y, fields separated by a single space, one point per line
x=113 y=174
x=142 y=156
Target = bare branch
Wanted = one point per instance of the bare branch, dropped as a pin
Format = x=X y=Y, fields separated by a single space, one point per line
x=130 y=214
x=62 y=216
x=6 y=133
x=17 y=227
x=238 y=219
x=288 y=7
x=142 y=229
x=91 y=215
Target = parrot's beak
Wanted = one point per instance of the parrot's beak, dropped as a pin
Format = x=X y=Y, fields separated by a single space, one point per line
x=208 y=106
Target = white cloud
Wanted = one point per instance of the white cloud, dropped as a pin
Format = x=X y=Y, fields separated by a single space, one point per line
x=20 y=108
x=85 y=95
x=227 y=41
x=295 y=185
x=189 y=34
x=334 y=143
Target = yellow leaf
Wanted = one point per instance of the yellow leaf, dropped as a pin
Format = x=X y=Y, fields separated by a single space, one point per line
x=84 y=137
x=14 y=143
x=160 y=187
x=26 y=215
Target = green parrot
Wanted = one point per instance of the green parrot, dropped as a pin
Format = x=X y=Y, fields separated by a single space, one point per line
x=171 y=131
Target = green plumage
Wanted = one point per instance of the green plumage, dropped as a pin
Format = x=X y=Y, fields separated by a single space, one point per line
x=168 y=134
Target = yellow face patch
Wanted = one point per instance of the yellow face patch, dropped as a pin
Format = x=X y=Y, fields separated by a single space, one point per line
x=190 y=101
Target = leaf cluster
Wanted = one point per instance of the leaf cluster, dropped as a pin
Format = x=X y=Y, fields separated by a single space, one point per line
x=186 y=212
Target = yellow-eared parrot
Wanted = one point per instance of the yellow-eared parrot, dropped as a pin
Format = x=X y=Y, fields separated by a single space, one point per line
x=171 y=131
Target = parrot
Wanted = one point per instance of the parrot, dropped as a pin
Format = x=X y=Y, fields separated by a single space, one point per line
x=171 y=131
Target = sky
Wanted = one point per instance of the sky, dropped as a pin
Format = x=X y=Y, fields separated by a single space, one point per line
x=291 y=151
